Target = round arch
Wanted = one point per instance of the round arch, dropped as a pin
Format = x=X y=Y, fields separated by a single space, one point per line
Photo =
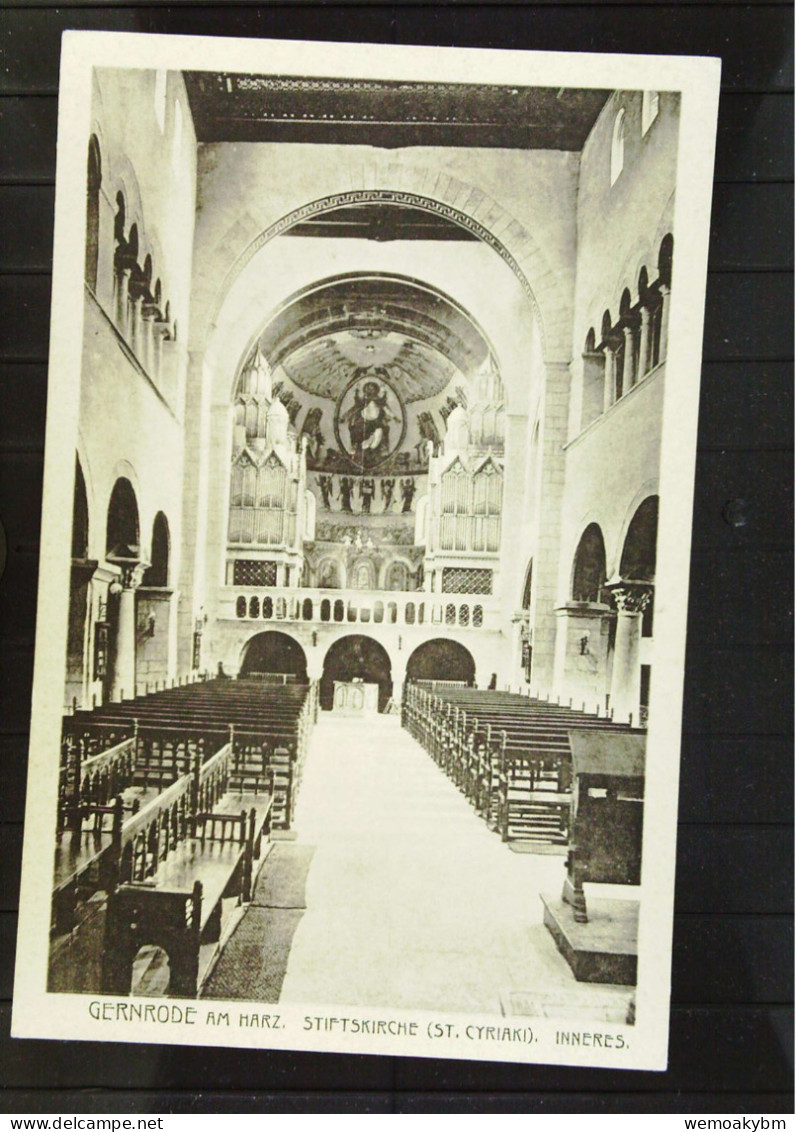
x=487 y=217
x=158 y=571
x=273 y=653
x=588 y=568
x=93 y=182
x=122 y=539
x=356 y=657
x=80 y=524
x=639 y=548
x=328 y=283
x=441 y=659
x=639 y=552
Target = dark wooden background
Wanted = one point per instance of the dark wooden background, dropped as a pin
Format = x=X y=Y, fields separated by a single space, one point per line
x=732 y=1023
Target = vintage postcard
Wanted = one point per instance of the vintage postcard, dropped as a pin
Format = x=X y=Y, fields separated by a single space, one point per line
x=371 y=435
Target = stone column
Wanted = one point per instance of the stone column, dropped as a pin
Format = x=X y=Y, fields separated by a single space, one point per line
x=124 y=654
x=121 y=281
x=644 y=343
x=609 y=388
x=631 y=599
x=148 y=324
x=630 y=375
x=665 y=294
x=136 y=336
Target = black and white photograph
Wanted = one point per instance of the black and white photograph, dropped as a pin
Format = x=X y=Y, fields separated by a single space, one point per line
x=368 y=489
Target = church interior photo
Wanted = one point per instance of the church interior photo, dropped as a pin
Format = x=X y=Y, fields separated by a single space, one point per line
x=362 y=590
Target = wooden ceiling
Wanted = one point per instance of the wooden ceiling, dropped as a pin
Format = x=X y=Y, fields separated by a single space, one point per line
x=257 y=108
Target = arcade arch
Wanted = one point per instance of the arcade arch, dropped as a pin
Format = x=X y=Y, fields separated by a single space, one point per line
x=639 y=553
x=274 y=653
x=122 y=538
x=356 y=657
x=158 y=572
x=441 y=659
x=588 y=570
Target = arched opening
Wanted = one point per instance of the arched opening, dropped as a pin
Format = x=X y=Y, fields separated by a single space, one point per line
x=122 y=534
x=356 y=658
x=588 y=574
x=94 y=180
x=151 y=973
x=79 y=594
x=274 y=654
x=526 y=649
x=80 y=516
x=527 y=587
x=639 y=552
x=665 y=258
x=440 y=659
x=158 y=572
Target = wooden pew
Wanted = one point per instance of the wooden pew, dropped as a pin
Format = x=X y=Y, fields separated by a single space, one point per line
x=508 y=754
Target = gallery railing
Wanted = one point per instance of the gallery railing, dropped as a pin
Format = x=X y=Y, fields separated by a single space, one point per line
x=362 y=607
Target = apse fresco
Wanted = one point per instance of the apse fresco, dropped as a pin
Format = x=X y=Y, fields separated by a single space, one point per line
x=360 y=419
x=369 y=421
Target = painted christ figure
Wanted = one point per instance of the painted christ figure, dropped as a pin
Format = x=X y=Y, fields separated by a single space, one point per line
x=368 y=422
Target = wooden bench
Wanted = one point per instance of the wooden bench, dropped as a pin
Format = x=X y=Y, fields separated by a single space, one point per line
x=508 y=754
x=187 y=861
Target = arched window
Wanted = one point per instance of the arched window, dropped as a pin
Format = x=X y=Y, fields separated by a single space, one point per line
x=122 y=532
x=650 y=104
x=665 y=256
x=588 y=574
x=618 y=146
x=158 y=572
x=80 y=516
x=639 y=552
x=92 y=211
x=527 y=587
x=240 y=607
x=254 y=607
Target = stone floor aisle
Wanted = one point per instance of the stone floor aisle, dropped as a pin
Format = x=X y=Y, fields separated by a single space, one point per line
x=411 y=900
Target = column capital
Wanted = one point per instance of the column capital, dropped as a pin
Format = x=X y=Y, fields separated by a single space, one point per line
x=630 y=596
x=132 y=571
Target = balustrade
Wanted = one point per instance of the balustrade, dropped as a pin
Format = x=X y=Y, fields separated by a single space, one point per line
x=461 y=611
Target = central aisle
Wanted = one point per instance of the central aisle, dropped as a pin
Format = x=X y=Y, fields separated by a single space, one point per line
x=411 y=900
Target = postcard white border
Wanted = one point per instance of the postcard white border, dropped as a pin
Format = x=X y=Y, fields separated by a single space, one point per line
x=37 y=1013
